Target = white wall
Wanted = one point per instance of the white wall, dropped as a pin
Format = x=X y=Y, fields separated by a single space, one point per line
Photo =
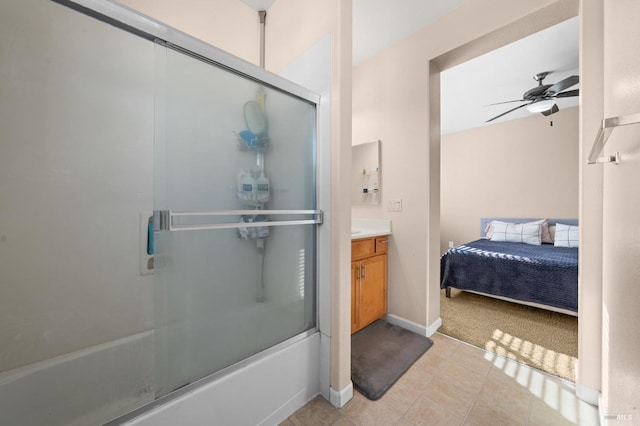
x=520 y=168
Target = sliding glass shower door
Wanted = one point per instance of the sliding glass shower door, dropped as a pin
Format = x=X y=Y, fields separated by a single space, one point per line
x=235 y=218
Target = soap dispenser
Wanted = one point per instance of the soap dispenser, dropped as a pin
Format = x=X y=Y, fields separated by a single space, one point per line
x=262 y=188
x=245 y=185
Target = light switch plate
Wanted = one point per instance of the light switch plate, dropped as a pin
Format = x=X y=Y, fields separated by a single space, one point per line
x=395 y=205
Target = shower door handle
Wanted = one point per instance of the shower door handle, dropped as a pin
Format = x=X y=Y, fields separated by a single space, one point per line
x=167 y=220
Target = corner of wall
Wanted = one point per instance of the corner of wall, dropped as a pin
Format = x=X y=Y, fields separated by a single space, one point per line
x=339 y=398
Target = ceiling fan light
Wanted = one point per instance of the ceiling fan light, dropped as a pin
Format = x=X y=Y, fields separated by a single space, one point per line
x=540 y=106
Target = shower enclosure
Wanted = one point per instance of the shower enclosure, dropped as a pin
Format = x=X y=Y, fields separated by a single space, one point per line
x=158 y=213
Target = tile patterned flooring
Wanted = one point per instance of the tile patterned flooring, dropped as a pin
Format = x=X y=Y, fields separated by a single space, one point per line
x=454 y=383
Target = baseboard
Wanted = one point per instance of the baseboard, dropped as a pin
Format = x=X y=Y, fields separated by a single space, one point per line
x=587 y=394
x=341 y=397
x=415 y=327
x=434 y=327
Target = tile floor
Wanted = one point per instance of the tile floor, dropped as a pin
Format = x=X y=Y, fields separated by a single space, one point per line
x=457 y=384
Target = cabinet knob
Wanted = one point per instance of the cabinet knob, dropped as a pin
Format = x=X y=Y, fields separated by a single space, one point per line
x=364 y=271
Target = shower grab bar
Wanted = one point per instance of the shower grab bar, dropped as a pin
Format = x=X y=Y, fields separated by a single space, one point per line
x=163 y=219
x=608 y=124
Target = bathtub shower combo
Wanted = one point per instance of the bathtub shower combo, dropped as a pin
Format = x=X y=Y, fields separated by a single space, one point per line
x=158 y=224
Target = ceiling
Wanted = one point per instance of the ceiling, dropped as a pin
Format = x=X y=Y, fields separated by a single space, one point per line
x=259 y=4
x=502 y=75
x=378 y=24
x=505 y=74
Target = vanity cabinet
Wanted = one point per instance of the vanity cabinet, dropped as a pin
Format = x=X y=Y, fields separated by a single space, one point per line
x=368 y=281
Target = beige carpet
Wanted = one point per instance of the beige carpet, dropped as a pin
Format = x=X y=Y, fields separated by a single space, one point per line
x=542 y=339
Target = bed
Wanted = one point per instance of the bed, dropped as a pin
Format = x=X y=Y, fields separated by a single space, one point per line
x=542 y=275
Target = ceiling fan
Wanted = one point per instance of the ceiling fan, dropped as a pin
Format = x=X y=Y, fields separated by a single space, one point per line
x=542 y=97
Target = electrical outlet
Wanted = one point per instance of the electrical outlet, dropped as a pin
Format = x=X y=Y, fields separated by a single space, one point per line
x=450 y=244
x=395 y=205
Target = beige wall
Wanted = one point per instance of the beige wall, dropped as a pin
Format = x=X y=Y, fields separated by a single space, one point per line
x=518 y=168
x=229 y=25
x=621 y=214
x=392 y=102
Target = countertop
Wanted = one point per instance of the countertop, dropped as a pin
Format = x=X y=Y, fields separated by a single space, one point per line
x=367 y=228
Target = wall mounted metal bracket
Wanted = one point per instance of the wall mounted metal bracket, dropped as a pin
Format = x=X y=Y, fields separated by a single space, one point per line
x=608 y=124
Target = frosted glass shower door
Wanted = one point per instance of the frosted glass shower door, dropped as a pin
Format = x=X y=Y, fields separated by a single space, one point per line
x=235 y=200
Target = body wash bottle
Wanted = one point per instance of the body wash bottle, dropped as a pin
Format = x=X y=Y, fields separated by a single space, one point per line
x=262 y=188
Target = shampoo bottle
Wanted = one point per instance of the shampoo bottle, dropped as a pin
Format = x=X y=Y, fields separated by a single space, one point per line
x=245 y=185
x=262 y=188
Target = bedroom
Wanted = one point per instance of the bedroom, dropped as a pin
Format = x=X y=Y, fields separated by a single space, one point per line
x=522 y=165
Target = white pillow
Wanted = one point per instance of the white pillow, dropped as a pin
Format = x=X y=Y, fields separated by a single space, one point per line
x=488 y=230
x=546 y=236
x=566 y=235
x=528 y=233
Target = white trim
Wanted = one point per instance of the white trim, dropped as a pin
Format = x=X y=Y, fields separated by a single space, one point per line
x=325 y=366
x=587 y=394
x=434 y=327
x=415 y=327
x=339 y=398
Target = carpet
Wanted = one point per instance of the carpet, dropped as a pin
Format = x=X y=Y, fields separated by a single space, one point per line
x=380 y=354
x=542 y=339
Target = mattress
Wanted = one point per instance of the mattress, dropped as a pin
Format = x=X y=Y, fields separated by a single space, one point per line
x=542 y=274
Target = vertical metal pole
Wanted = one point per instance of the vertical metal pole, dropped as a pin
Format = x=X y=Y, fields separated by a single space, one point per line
x=263 y=20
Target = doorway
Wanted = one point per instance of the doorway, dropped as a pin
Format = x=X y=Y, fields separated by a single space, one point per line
x=437 y=151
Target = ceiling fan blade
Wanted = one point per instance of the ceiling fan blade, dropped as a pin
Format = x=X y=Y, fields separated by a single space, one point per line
x=507 y=102
x=553 y=110
x=507 y=112
x=568 y=93
x=561 y=85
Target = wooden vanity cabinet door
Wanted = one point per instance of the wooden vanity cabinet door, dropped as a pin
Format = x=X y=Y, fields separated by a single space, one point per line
x=372 y=290
x=368 y=281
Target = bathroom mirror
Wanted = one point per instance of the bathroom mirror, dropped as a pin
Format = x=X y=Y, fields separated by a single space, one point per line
x=365 y=173
x=254 y=118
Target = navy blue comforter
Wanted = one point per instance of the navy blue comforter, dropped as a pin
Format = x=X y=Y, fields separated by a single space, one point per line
x=543 y=274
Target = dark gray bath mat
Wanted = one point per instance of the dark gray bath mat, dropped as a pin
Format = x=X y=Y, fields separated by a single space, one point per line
x=380 y=354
